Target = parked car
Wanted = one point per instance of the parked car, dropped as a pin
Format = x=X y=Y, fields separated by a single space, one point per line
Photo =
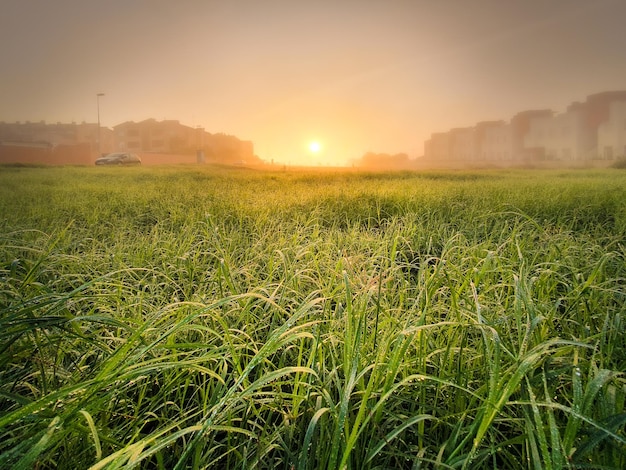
x=119 y=159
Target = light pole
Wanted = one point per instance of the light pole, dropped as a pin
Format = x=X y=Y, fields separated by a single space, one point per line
x=98 y=105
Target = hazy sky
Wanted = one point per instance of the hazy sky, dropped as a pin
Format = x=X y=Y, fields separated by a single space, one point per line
x=357 y=76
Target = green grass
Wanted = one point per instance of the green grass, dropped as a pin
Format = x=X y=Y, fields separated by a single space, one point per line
x=199 y=317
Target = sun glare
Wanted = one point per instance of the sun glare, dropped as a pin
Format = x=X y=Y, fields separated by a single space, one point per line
x=315 y=147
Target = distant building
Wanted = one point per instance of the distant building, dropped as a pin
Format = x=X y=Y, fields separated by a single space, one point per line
x=462 y=144
x=562 y=137
x=38 y=133
x=494 y=143
x=588 y=133
x=437 y=149
x=61 y=143
x=524 y=153
x=612 y=133
x=155 y=136
x=170 y=136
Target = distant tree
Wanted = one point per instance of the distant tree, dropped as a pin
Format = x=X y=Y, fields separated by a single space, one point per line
x=620 y=163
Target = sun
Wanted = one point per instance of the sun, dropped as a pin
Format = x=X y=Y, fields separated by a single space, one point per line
x=315 y=147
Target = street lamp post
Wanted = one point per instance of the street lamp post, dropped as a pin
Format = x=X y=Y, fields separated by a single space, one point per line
x=98 y=105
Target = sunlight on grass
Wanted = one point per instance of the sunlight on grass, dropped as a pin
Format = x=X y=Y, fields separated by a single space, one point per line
x=212 y=318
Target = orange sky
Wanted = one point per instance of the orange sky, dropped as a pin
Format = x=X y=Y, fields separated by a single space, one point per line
x=357 y=76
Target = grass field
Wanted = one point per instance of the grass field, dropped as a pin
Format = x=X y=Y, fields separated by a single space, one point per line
x=198 y=317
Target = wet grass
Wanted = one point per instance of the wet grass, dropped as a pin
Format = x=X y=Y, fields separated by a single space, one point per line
x=198 y=317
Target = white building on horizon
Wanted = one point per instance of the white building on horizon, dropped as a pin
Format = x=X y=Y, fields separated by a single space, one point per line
x=612 y=133
x=588 y=133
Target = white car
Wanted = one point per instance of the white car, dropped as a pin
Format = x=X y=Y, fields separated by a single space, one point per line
x=119 y=159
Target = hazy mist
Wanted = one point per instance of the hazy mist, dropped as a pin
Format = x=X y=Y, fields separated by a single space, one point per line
x=356 y=77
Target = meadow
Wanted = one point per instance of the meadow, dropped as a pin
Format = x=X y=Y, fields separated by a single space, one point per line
x=199 y=317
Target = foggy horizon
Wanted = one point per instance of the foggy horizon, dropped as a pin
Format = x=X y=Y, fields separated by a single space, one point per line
x=308 y=84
